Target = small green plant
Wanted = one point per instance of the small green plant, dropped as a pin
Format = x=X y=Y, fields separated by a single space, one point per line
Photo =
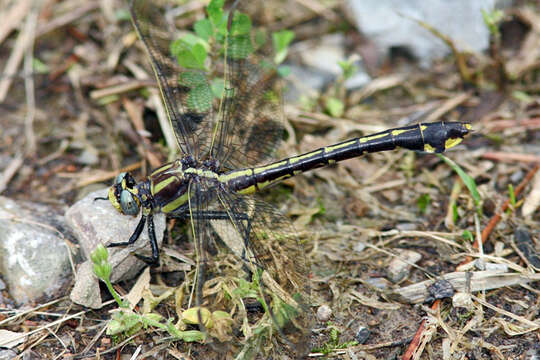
x=423 y=203
x=492 y=20
x=467 y=236
x=333 y=342
x=126 y=322
x=512 y=195
x=281 y=41
x=102 y=269
x=467 y=180
x=455 y=212
x=335 y=107
x=348 y=68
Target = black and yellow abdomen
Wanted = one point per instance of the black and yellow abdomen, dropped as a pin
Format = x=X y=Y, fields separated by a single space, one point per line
x=432 y=137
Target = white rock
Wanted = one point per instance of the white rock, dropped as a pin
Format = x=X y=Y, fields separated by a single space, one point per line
x=34 y=257
x=388 y=23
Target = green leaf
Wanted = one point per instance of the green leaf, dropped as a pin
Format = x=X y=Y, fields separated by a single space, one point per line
x=240 y=47
x=348 y=68
x=203 y=28
x=281 y=41
x=199 y=52
x=185 y=42
x=192 y=336
x=467 y=180
x=192 y=78
x=122 y=15
x=260 y=37
x=190 y=57
x=218 y=87
x=423 y=202
x=283 y=312
x=240 y=25
x=123 y=322
x=512 y=195
x=200 y=98
x=467 y=235
x=39 y=67
x=284 y=70
x=492 y=20
x=335 y=107
x=522 y=96
x=215 y=11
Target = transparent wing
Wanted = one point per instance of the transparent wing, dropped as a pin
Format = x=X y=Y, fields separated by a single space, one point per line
x=243 y=126
x=190 y=119
x=264 y=287
x=251 y=120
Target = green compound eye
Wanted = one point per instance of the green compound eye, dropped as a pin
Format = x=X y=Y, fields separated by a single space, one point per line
x=119 y=178
x=128 y=203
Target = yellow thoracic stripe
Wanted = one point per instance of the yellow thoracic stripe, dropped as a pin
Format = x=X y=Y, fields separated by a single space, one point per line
x=162 y=168
x=179 y=201
x=162 y=184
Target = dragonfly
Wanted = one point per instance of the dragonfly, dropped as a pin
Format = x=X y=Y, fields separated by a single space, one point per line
x=225 y=156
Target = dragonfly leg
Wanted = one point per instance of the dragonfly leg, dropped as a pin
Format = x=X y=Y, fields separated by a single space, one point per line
x=154 y=259
x=134 y=236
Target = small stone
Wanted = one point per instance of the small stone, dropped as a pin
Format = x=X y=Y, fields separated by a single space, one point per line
x=461 y=299
x=323 y=313
x=441 y=289
x=359 y=246
x=407 y=226
x=362 y=334
x=379 y=282
x=399 y=267
x=7 y=354
x=86 y=290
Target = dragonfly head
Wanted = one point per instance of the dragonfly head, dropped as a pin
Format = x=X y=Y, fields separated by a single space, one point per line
x=123 y=194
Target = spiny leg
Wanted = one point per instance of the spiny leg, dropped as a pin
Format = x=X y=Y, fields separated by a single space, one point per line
x=154 y=259
x=134 y=236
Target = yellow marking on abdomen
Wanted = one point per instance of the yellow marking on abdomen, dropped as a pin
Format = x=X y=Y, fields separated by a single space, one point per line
x=235 y=174
x=260 y=169
x=366 y=139
x=451 y=142
x=400 y=131
x=339 y=146
x=305 y=156
x=429 y=148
